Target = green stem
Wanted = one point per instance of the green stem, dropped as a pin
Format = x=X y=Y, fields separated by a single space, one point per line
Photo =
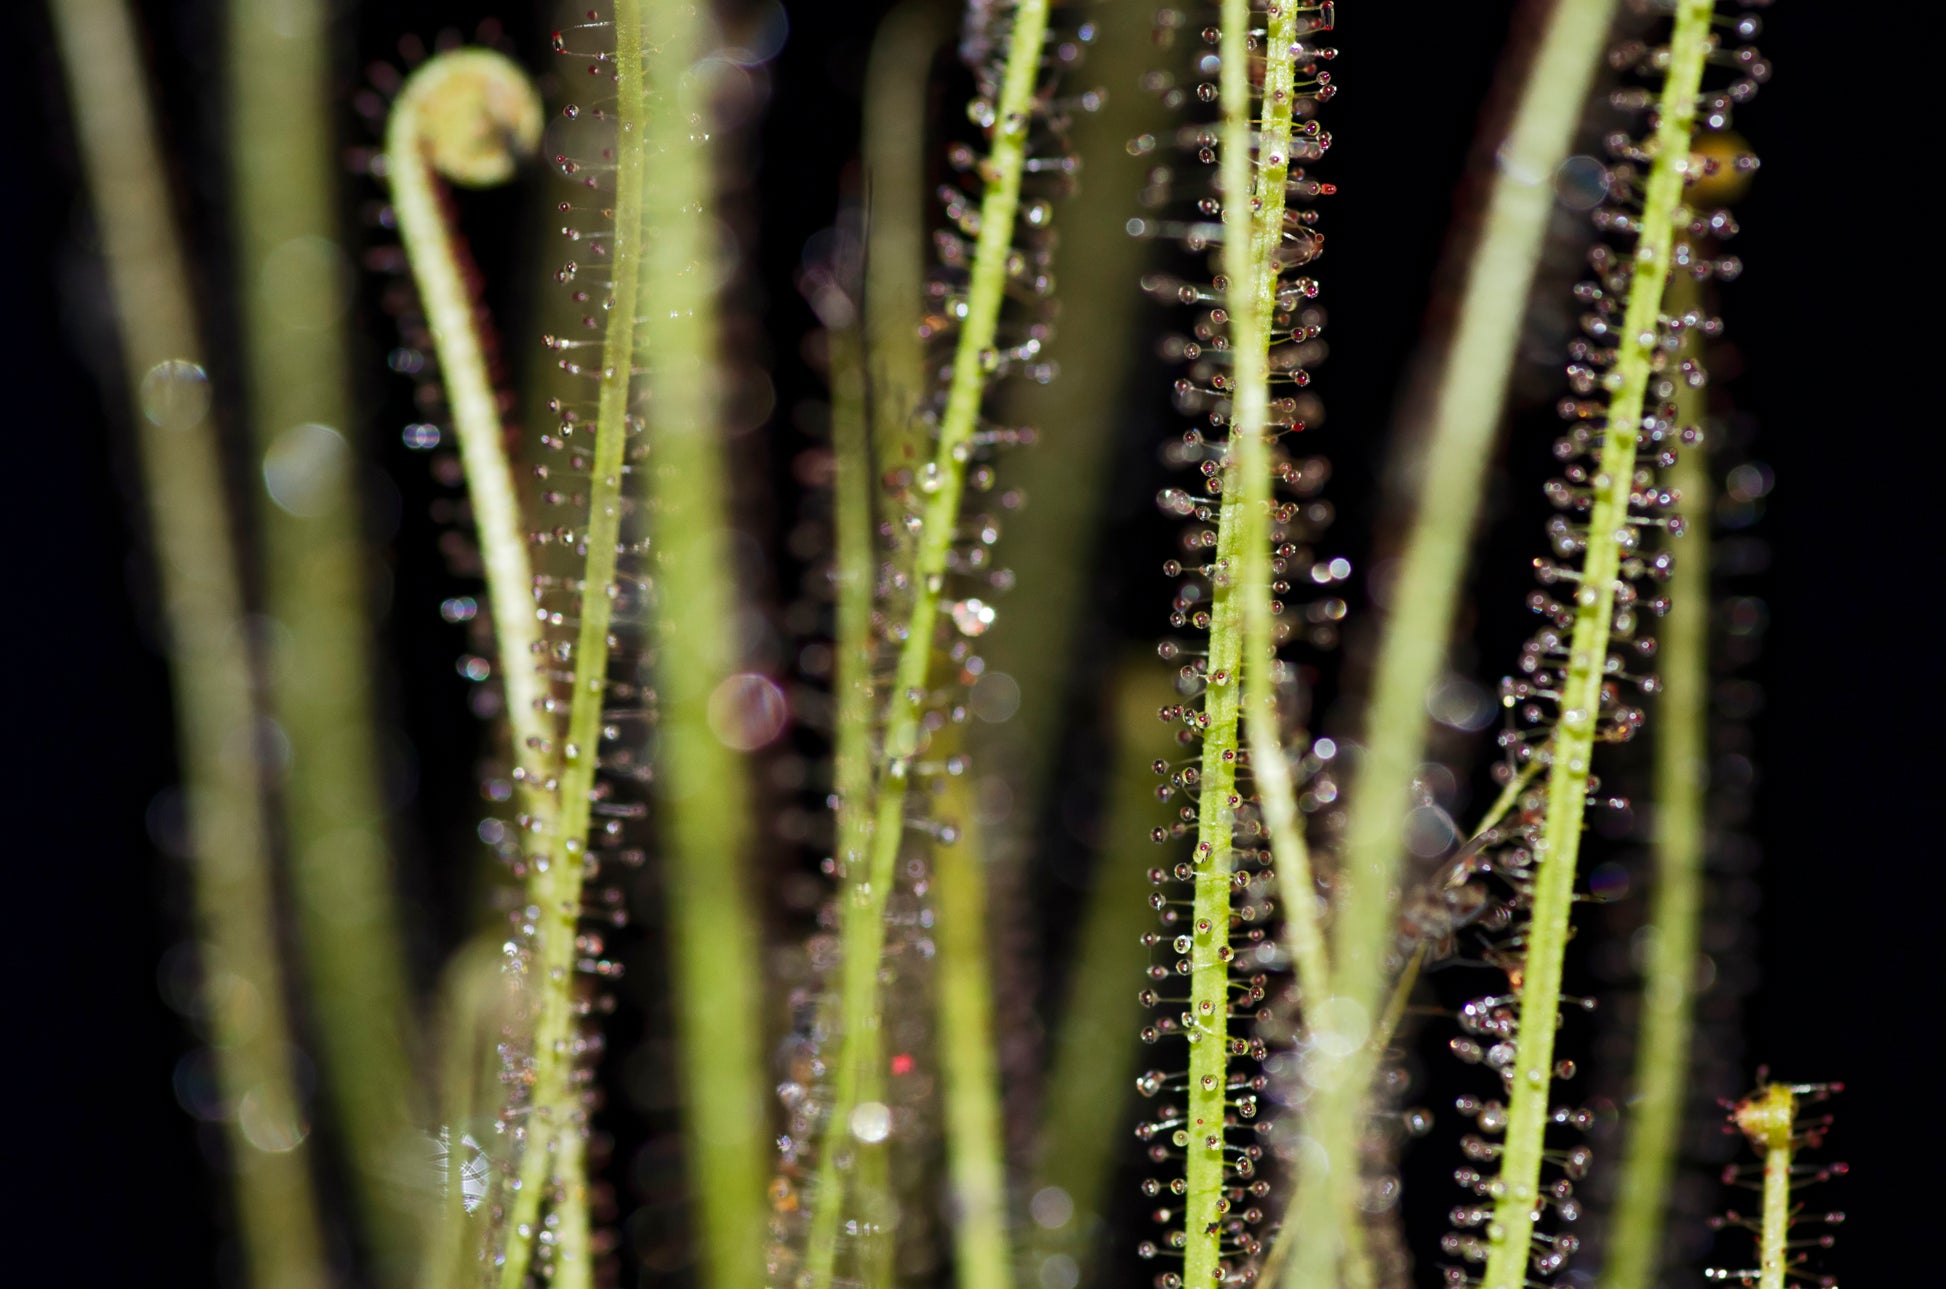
x=702 y=770
x=968 y=1055
x=483 y=106
x=295 y=276
x=1388 y=1026
x=555 y=880
x=1567 y=780
x=1254 y=269
x=209 y=661
x=1767 y=1119
x=1662 y=1042
x=1253 y=223
x=1459 y=434
x=475 y=1008
x=852 y=529
x=469 y=114
x=574 y=1254
x=897 y=201
x=1051 y=542
x=1209 y=982
x=944 y=483
x=1094 y=1048
x=852 y=684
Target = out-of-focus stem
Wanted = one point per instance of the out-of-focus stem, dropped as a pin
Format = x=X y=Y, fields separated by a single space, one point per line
x=854 y=566
x=969 y=1065
x=475 y=1008
x=210 y=665
x=1095 y=1047
x=705 y=795
x=1067 y=476
x=897 y=205
x=1254 y=270
x=574 y=1255
x=1458 y=438
x=1681 y=730
x=1290 y=1230
x=295 y=280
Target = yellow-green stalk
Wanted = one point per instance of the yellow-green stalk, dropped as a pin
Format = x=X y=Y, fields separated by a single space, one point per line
x=1769 y=1119
x=1681 y=730
x=469 y=115
x=1094 y=1048
x=1068 y=476
x=1519 y=1199
x=969 y=1067
x=702 y=774
x=295 y=280
x=1460 y=426
x=942 y=484
x=897 y=202
x=1255 y=156
x=210 y=666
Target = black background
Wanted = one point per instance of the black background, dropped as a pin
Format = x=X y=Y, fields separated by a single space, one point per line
x=1828 y=318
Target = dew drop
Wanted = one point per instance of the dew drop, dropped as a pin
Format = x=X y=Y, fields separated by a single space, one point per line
x=973 y=617
x=1051 y=1208
x=303 y=470
x=1581 y=182
x=175 y=394
x=747 y=711
x=871 y=1122
x=270 y=1124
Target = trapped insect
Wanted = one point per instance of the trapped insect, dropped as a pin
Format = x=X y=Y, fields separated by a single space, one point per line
x=1448 y=902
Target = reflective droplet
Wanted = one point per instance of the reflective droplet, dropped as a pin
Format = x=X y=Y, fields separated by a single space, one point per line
x=973 y=617
x=175 y=394
x=1430 y=832
x=304 y=470
x=269 y=1124
x=747 y=711
x=1051 y=1208
x=1581 y=182
x=1456 y=701
x=871 y=1122
x=995 y=697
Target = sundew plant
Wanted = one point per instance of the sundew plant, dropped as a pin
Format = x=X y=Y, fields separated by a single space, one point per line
x=1023 y=646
